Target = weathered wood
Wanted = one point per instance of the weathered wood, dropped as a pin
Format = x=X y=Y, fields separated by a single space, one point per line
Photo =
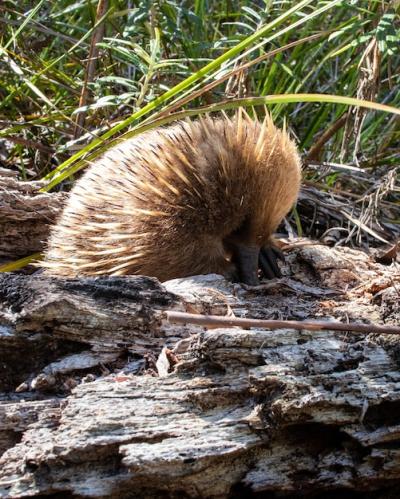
x=42 y=318
x=241 y=411
x=25 y=216
x=284 y=413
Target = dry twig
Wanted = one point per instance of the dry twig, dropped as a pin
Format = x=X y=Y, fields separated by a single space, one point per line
x=97 y=36
x=215 y=321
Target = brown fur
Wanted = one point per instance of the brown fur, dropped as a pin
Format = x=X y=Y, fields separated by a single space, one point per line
x=164 y=203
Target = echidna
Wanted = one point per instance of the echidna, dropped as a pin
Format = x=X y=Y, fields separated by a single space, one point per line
x=197 y=197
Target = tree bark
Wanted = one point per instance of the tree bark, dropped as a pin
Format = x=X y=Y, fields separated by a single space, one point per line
x=26 y=215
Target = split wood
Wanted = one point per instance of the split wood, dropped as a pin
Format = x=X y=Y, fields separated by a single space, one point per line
x=215 y=321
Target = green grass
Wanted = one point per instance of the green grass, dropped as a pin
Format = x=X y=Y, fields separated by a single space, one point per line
x=158 y=52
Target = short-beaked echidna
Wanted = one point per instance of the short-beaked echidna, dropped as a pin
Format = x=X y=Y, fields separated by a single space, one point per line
x=196 y=197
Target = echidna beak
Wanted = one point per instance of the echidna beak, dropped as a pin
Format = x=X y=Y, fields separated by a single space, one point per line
x=248 y=259
x=245 y=259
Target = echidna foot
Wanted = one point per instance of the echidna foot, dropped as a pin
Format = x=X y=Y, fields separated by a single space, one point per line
x=268 y=261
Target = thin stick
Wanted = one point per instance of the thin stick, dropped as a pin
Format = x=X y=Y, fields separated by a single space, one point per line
x=215 y=321
x=90 y=71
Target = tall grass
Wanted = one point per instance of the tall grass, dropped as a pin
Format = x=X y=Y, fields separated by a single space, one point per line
x=152 y=52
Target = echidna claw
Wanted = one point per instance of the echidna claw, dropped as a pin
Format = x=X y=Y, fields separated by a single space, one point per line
x=267 y=260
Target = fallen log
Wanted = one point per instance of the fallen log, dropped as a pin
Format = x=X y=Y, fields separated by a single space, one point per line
x=227 y=412
x=26 y=215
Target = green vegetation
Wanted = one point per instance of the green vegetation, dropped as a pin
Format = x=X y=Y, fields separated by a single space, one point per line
x=74 y=76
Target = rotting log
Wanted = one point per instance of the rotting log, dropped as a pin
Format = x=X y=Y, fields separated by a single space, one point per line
x=26 y=215
x=44 y=317
x=230 y=412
